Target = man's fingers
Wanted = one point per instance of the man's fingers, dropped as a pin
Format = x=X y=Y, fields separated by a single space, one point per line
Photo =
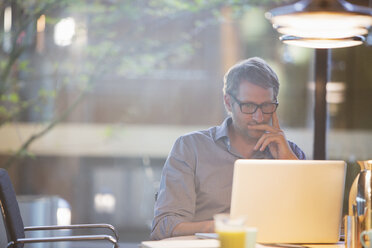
x=268 y=138
x=267 y=142
x=259 y=142
x=265 y=139
x=275 y=121
x=263 y=127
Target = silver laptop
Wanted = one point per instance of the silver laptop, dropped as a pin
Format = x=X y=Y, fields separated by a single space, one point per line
x=290 y=201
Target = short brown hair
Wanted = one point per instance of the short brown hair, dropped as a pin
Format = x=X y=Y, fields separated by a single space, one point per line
x=254 y=70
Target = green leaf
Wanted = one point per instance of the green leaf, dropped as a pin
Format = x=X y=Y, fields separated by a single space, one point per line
x=13 y=97
x=23 y=65
x=2 y=64
x=43 y=93
x=108 y=132
x=51 y=20
x=3 y=111
x=37 y=109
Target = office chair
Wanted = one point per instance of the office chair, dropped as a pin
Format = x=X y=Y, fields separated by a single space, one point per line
x=15 y=229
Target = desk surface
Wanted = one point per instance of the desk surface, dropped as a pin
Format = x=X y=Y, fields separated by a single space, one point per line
x=194 y=242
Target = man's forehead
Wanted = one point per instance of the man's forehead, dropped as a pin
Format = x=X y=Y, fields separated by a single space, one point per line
x=256 y=93
x=247 y=85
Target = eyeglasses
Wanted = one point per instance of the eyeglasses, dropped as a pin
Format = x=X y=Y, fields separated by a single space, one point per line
x=251 y=108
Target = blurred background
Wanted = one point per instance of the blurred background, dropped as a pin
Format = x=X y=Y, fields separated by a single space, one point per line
x=94 y=93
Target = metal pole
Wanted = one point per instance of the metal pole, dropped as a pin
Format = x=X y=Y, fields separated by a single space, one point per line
x=322 y=75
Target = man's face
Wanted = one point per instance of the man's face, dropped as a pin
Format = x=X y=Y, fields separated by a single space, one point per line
x=249 y=92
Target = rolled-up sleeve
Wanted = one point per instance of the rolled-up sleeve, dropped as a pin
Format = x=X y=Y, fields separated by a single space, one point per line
x=297 y=151
x=176 y=196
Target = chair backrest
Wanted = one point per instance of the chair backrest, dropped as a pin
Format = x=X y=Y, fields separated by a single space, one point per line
x=10 y=209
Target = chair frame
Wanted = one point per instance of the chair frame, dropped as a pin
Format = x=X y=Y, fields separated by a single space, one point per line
x=108 y=238
x=69 y=238
x=13 y=243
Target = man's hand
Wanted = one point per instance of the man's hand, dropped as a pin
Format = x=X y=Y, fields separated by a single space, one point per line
x=275 y=139
x=190 y=228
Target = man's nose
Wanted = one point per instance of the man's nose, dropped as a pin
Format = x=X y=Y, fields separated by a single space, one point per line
x=258 y=115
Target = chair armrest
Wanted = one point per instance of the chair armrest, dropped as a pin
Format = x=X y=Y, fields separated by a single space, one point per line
x=66 y=238
x=80 y=226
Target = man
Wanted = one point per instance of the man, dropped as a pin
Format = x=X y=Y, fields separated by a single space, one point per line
x=196 y=181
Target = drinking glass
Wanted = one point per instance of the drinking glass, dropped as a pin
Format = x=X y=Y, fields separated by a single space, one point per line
x=232 y=232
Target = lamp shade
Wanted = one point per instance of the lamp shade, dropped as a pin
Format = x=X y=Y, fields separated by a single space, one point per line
x=328 y=21
x=322 y=43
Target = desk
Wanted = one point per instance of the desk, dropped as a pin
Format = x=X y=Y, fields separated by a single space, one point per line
x=194 y=242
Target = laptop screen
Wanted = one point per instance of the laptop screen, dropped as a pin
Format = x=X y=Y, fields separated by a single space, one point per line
x=290 y=201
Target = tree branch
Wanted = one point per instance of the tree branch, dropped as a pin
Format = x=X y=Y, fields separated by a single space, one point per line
x=23 y=149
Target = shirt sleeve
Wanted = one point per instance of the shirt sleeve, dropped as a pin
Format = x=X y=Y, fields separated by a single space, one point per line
x=297 y=151
x=176 y=196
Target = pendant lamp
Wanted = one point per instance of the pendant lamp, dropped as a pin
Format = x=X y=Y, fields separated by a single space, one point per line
x=321 y=23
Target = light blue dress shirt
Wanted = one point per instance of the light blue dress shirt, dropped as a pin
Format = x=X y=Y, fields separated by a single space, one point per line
x=196 y=181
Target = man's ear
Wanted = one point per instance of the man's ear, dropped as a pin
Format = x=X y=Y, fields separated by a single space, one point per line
x=227 y=100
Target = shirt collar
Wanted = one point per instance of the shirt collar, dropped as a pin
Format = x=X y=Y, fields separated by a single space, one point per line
x=222 y=130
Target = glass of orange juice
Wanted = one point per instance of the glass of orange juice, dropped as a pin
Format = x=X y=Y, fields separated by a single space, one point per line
x=232 y=232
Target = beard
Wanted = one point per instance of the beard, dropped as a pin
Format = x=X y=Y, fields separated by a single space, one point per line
x=252 y=134
x=241 y=126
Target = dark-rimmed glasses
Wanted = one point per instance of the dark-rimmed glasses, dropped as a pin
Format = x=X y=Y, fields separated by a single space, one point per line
x=251 y=108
